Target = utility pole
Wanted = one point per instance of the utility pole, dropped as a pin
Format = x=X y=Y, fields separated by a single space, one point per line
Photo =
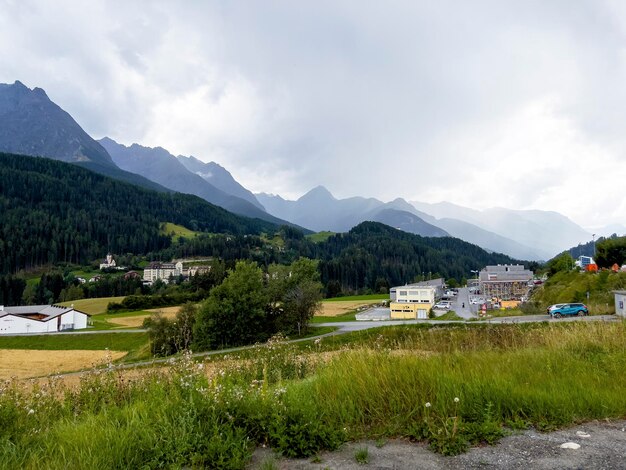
x=593 y=237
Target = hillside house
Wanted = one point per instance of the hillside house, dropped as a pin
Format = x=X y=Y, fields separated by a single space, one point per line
x=41 y=319
x=108 y=263
x=162 y=271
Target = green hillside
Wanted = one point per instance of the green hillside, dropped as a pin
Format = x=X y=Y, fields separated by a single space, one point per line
x=374 y=256
x=57 y=212
x=594 y=289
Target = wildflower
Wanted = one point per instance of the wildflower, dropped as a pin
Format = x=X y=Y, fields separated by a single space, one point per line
x=456 y=399
x=427 y=404
x=31 y=411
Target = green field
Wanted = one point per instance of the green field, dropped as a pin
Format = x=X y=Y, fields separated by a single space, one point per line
x=350 y=316
x=177 y=231
x=112 y=341
x=92 y=306
x=449 y=316
x=320 y=237
x=106 y=321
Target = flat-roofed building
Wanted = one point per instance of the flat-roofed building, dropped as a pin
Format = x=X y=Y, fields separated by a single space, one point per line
x=411 y=302
x=505 y=281
x=162 y=271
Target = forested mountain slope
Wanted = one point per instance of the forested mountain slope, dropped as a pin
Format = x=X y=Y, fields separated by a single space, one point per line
x=160 y=166
x=58 y=212
x=372 y=253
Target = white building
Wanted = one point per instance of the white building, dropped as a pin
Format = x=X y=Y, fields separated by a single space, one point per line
x=162 y=271
x=620 y=302
x=41 y=319
x=109 y=262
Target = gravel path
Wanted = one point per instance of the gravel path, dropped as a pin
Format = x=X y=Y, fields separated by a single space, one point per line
x=602 y=446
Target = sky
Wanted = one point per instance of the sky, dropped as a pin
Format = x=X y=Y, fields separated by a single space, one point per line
x=484 y=103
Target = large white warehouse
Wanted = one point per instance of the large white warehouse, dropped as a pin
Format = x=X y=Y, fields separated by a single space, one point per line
x=40 y=319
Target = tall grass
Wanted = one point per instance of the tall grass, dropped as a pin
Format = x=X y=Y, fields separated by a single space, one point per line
x=449 y=386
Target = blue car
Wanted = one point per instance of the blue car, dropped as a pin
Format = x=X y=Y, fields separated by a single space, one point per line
x=560 y=310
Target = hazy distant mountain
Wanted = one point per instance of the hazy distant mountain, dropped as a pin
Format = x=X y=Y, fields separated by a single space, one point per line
x=407 y=222
x=160 y=166
x=31 y=124
x=546 y=232
x=219 y=177
x=607 y=231
x=320 y=210
x=487 y=240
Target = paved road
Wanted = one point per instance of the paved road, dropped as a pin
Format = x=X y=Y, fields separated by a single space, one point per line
x=345 y=327
x=76 y=332
x=461 y=304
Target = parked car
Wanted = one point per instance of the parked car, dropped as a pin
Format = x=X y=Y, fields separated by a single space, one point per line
x=559 y=310
x=442 y=305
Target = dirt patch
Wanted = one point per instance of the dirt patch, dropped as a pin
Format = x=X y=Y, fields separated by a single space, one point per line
x=137 y=320
x=23 y=364
x=602 y=445
x=333 y=309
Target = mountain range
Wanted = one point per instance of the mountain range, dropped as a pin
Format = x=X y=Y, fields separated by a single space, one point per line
x=31 y=124
x=531 y=235
x=160 y=166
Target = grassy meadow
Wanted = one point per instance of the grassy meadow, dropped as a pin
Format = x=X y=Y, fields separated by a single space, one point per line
x=95 y=306
x=320 y=237
x=451 y=386
x=177 y=231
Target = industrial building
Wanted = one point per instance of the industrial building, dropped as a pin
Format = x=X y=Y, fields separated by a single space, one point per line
x=505 y=282
x=41 y=319
x=413 y=301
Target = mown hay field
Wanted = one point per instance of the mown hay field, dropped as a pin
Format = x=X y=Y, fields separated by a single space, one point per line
x=341 y=307
x=27 y=363
x=95 y=306
x=136 y=321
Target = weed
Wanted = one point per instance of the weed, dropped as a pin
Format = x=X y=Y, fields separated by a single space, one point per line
x=361 y=455
x=268 y=463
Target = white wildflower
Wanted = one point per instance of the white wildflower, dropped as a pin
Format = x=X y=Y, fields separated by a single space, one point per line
x=427 y=404
x=456 y=399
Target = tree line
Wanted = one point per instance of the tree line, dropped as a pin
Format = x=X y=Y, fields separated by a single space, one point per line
x=57 y=212
x=249 y=305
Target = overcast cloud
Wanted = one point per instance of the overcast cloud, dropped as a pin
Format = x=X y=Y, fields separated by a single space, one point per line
x=483 y=103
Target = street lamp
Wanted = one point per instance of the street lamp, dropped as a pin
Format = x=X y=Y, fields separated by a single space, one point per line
x=593 y=238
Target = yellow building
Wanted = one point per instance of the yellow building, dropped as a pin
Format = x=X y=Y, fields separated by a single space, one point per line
x=411 y=302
